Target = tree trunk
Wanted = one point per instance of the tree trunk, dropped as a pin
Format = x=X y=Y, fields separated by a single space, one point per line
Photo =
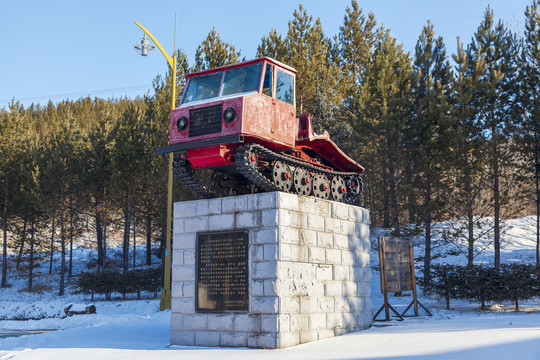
x=127 y=226
x=99 y=236
x=105 y=224
x=134 y=242
x=537 y=183
x=63 y=247
x=23 y=240
x=470 y=222
x=70 y=238
x=427 y=248
x=51 y=253
x=386 y=200
x=496 y=202
x=31 y=270
x=148 y=239
x=4 y=244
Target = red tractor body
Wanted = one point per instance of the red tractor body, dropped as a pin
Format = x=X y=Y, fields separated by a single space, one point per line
x=248 y=110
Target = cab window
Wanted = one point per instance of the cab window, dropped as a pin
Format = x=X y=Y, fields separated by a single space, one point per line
x=242 y=79
x=285 y=87
x=267 y=83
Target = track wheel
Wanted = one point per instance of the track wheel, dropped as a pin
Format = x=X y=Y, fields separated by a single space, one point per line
x=321 y=186
x=303 y=181
x=339 y=190
x=354 y=189
x=282 y=176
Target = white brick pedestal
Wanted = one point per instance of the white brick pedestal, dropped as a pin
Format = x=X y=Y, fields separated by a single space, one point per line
x=309 y=271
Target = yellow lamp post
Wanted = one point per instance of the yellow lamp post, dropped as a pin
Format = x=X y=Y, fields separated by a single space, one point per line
x=144 y=47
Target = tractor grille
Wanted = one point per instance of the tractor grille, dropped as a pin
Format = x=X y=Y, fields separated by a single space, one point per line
x=205 y=121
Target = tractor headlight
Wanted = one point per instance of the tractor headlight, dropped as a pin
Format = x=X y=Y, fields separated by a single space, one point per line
x=229 y=114
x=182 y=123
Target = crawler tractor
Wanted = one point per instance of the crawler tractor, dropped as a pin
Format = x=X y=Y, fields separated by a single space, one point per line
x=240 y=122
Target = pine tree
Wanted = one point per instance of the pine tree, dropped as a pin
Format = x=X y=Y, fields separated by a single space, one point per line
x=499 y=48
x=427 y=130
x=467 y=174
x=529 y=130
x=214 y=52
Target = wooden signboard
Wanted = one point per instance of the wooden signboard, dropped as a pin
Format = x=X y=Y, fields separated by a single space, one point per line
x=397 y=273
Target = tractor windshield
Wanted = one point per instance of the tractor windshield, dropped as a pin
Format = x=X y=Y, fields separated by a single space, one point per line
x=202 y=87
x=236 y=81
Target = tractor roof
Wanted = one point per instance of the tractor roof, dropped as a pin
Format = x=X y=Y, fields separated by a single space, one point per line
x=241 y=64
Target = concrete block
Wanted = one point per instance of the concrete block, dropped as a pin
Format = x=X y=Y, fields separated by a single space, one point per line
x=326 y=304
x=184 y=241
x=333 y=288
x=185 y=209
x=196 y=224
x=233 y=339
x=365 y=319
x=178 y=257
x=332 y=225
x=247 y=322
x=348 y=258
x=220 y=322
x=263 y=341
x=365 y=218
x=318 y=207
x=364 y=289
x=315 y=222
x=350 y=320
x=188 y=289
x=308 y=304
x=362 y=231
x=341 y=242
x=324 y=272
x=357 y=274
x=356 y=214
x=181 y=337
x=178 y=225
x=269 y=287
x=299 y=322
x=289 y=235
x=356 y=243
x=325 y=334
x=308 y=336
x=266 y=235
x=347 y=227
x=317 y=321
x=262 y=201
x=289 y=339
x=257 y=287
x=340 y=211
x=183 y=305
x=289 y=305
x=231 y=204
x=333 y=256
x=176 y=289
x=269 y=217
x=194 y=322
x=288 y=201
x=341 y=272
x=207 y=338
x=183 y=273
x=264 y=270
x=334 y=320
x=307 y=237
x=176 y=321
x=221 y=222
x=257 y=253
x=270 y=252
x=325 y=240
x=269 y=323
x=317 y=255
x=348 y=304
x=362 y=259
x=208 y=207
x=189 y=257
x=264 y=305
x=248 y=219
x=350 y=288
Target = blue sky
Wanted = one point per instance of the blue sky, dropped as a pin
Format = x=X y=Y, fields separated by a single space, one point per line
x=67 y=49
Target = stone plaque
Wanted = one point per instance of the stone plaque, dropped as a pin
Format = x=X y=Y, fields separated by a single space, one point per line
x=222 y=281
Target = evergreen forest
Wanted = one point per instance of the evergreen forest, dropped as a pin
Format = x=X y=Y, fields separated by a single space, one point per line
x=443 y=137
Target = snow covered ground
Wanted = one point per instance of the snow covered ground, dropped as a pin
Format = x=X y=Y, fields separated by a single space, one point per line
x=137 y=330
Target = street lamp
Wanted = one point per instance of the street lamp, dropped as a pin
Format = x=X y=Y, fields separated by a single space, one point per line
x=143 y=47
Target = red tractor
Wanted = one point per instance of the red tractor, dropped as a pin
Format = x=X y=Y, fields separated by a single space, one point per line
x=240 y=121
